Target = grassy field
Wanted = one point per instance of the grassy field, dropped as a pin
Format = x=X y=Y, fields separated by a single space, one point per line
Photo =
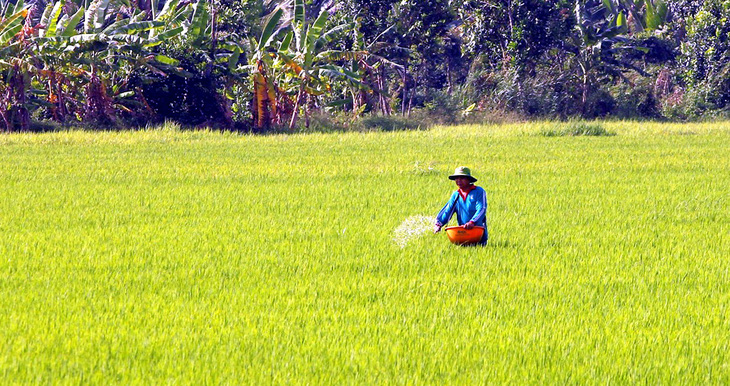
x=199 y=257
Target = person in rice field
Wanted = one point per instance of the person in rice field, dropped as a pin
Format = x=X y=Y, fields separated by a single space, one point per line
x=469 y=202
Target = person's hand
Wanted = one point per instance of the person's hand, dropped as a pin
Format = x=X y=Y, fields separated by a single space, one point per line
x=437 y=228
x=469 y=225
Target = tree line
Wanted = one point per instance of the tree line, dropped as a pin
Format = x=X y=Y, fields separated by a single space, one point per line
x=261 y=65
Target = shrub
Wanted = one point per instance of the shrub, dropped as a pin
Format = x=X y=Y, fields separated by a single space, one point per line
x=704 y=62
x=390 y=123
x=324 y=122
x=636 y=99
x=577 y=128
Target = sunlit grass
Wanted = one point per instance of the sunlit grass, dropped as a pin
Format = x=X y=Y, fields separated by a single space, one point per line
x=197 y=256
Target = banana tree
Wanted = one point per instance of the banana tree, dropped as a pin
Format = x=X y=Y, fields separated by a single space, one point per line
x=222 y=53
x=88 y=54
x=373 y=69
x=265 y=104
x=312 y=67
x=601 y=35
x=15 y=81
x=366 y=73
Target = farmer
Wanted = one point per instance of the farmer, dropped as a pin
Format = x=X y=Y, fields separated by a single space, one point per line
x=469 y=202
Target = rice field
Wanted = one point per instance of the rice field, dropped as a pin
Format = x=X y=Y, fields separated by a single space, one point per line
x=169 y=256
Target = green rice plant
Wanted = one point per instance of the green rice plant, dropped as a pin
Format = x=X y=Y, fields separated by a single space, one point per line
x=172 y=256
x=577 y=128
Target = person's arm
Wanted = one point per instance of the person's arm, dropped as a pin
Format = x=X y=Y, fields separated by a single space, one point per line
x=481 y=209
x=445 y=214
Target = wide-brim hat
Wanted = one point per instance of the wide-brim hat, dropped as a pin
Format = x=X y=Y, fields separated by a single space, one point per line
x=462 y=171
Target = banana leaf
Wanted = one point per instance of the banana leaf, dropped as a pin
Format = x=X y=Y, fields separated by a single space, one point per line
x=330 y=34
x=95 y=15
x=341 y=72
x=340 y=102
x=53 y=18
x=46 y=16
x=11 y=26
x=133 y=39
x=167 y=10
x=73 y=22
x=199 y=22
x=125 y=94
x=134 y=28
x=19 y=5
x=233 y=60
x=286 y=42
x=313 y=34
x=298 y=24
x=268 y=33
x=331 y=55
x=167 y=60
x=164 y=36
x=293 y=65
x=116 y=25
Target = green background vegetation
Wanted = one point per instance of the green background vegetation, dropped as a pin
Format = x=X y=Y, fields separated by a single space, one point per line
x=194 y=256
x=322 y=65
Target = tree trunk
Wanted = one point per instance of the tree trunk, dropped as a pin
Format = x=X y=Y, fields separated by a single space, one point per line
x=384 y=102
x=584 y=88
x=213 y=30
x=405 y=92
x=5 y=113
x=448 y=77
x=296 y=108
x=584 y=96
x=55 y=95
x=306 y=110
x=213 y=41
x=410 y=99
x=19 y=111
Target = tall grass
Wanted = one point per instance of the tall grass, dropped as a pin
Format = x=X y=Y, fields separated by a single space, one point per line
x=203 y=257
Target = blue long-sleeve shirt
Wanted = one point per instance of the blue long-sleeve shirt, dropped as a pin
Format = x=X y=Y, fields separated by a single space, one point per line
x=473 y=208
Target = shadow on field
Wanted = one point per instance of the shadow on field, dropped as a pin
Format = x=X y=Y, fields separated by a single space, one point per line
x=492 y=244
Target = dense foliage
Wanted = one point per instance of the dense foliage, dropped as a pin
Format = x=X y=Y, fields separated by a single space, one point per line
x=288 y=64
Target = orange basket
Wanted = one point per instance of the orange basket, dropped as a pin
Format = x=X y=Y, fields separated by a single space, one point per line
x=462 y=236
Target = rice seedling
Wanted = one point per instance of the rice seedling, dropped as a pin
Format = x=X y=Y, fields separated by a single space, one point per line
x=168 y=256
